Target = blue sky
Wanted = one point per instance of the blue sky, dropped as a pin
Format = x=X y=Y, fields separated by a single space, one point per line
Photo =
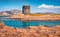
x=37 y=6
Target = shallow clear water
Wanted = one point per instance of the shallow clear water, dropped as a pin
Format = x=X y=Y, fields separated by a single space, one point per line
x=3 y=16
x=21 y=24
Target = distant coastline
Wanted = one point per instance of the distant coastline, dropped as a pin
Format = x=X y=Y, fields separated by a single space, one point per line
x=31 y=17
x=34 y=17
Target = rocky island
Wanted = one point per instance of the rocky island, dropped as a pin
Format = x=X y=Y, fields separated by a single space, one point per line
x=31 y=17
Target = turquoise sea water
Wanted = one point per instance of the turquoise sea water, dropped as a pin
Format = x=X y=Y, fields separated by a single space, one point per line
x=21 y=24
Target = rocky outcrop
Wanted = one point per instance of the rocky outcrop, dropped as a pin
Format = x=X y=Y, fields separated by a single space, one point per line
x=32 y=31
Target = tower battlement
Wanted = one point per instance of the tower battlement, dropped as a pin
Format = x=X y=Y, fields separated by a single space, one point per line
x=26 y=10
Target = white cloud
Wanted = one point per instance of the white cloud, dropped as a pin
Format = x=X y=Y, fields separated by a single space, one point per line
x=48 y=6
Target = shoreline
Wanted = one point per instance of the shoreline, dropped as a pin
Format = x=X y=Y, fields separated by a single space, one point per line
x=35 y=17
x=32 y=31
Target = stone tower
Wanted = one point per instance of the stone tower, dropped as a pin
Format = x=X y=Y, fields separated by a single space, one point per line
x=26 y=10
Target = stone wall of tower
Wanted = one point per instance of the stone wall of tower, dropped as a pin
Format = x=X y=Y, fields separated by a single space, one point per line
x=26 y=10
